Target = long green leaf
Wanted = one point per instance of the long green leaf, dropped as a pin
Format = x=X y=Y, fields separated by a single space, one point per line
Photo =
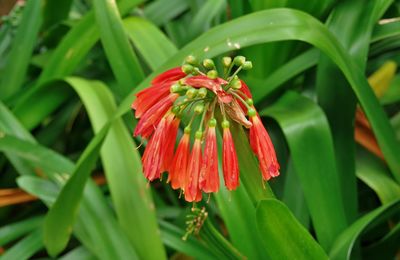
x=344 y=243
x=307 y=133
x=123 y=60
x=59 y=220
x=26 y=247
x=151 y=43
x=161 y=11
x=122 y=166
x=284 y=237
x=18 y=60
x=13 y=231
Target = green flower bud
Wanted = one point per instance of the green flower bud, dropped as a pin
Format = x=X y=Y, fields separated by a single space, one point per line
x=175 y=88
x=226 y=61
x=187 y=130
x=176 y=109
x=247 y=65
x=191 y=93
x=239 y=60
x=249 y=101
x=225 y=124
x=236 y=84
x=198 y=135
x=251 y=112
x=208 y=64
x=212 y=74
x=212 y=122
x=202 y=93
x=191 y=60
x=198 y=109
x=187 y=69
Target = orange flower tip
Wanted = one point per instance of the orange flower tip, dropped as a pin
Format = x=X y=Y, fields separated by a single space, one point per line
x=251 y=112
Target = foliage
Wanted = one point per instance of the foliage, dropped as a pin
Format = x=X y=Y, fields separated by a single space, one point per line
x=69 y=72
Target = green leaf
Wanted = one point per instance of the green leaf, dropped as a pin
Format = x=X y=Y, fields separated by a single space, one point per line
x=55 y=12
x=161 y=11
x=13 y=231
x=375 y=174
x=80 y=253
x=150 y=42
x=307 y=133
x=123 y=60
x=122 y=165
x=283 y=236
x=25 y=40
x=26 y=247
x=60 y=218
x=343 y=246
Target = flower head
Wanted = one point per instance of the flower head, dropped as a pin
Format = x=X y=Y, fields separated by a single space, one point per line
x=187 y=93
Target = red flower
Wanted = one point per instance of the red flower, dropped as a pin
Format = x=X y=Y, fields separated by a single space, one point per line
x=153 y=155
x=151 y=117
x=262 y=146
x=179 y=165
x=229 y=159
x=192 y=190
x=209 y=179
x=199 y=93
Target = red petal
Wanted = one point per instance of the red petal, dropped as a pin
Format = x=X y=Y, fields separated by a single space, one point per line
x=212 y=84
x=230 y=161
x=171 y=133
x=148 y=97
x=209 y=179
x=169 y=75
x=179 y=166
x=192 y=190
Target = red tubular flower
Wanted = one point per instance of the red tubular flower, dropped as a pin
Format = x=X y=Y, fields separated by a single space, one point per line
x=229 y=159
x=171 y=134
x=151 y=117
x=262 y=146
x=192 y=91
x=209 y=179
x=192 y=190
x=169 y=75
x=179 y=164
x=153 y=155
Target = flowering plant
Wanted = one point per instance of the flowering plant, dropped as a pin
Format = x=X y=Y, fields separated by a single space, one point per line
x=193 y=91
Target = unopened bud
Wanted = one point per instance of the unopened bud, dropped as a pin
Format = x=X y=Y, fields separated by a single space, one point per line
x=208 y=64
x=175 y=88
x=247 y=65
x=226 y=61
x=191 y=93
x=187 y=69
x=212 y=122
x=249 y=101
x=198 y=109
x=202 y=93
x=225 y=124
x=187 y=130
x=239 y=60
x=236 y=84
x=199 y=134
x=251 y=112
x=191 y=60
x=176 y=109
x=212 y=74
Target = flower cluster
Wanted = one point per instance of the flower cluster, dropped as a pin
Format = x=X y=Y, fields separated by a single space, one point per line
x=194 y=94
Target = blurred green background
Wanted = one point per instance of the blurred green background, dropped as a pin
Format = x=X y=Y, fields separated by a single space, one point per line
x=324 y=79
